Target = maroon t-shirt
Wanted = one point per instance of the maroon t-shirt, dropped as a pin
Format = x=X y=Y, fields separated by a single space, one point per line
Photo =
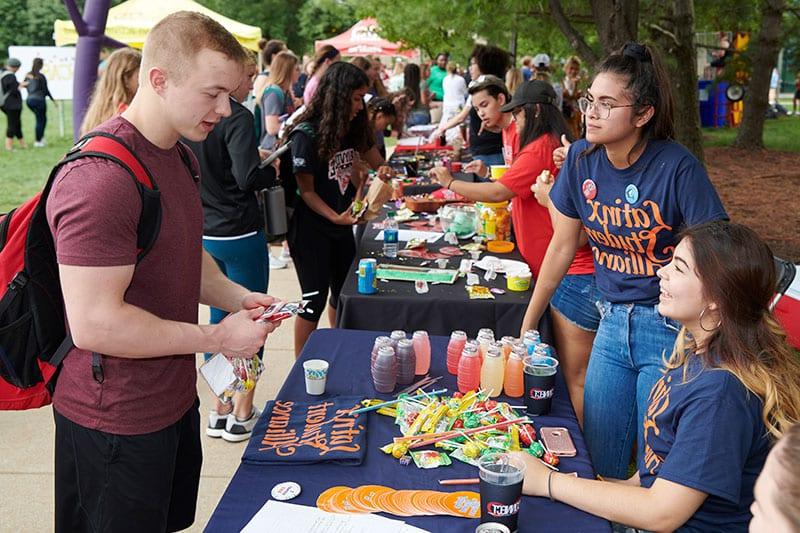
x=93 y=211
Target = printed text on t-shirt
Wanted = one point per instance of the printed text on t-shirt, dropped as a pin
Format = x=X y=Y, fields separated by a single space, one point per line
x=340 y=168
x=642 y=226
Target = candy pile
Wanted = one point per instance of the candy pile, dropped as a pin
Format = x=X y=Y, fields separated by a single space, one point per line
x=463 y=427
x=247 y=372
x=380 y=499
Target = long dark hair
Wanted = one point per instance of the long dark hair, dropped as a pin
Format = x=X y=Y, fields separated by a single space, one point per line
x=647 y=85
x=36 y=67
x=411 y=80
x=737 y=271
x=542 y=119
x=330 y=109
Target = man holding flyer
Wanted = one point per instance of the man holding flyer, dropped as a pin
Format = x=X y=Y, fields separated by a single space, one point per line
x=127 y=446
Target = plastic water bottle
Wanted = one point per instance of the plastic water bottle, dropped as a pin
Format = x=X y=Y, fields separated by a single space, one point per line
x=390 y=236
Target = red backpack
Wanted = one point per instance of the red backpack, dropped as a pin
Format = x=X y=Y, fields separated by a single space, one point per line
x=33 y=336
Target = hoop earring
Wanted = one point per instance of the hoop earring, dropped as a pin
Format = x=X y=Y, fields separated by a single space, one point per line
x=703 y=312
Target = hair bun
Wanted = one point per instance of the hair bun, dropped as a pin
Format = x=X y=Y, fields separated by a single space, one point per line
x=636 y=51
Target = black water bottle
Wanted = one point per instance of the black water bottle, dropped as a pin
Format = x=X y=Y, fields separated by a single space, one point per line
x=273 y=207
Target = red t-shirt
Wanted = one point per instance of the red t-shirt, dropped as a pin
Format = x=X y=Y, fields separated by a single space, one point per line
x=510 y=142
x=533 y=228
x=93 y=211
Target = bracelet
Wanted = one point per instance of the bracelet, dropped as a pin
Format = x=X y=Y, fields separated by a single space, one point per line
x=549 y=486
x=449 y=183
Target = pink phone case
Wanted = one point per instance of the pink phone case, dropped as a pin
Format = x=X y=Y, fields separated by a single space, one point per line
x=558 y=441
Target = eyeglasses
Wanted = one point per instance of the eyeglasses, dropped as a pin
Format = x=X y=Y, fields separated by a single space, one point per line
x=603 y=109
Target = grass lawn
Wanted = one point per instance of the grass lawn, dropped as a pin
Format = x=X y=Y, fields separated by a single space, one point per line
x=24 y=172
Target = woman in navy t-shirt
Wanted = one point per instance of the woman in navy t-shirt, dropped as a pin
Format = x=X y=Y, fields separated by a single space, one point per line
x=731 y=386
x=631 y=188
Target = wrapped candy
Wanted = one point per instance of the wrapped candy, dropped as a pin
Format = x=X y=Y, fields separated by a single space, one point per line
x=550 y=459
x=536 y=449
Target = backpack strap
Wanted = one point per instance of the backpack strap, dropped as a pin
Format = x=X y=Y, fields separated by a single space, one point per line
x=110 y=147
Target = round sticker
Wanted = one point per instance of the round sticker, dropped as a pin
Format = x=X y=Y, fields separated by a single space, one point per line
x=285 y=491
x=631 y=193
x=589 y=189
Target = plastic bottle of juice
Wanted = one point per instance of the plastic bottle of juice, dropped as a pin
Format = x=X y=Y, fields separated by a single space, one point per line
x=422 y=349
x=492 y=372
x=469 y=369
x=454 y=348
x=513 y=383
x=507 y=343
x=485 y=336
x=406 y=361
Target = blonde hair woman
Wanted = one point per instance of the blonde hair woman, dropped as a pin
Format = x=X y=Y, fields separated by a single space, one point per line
x=276 y=98
x=513 y=79
x=115 y=88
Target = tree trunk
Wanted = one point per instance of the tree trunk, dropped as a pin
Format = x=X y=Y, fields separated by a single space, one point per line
x=764 y=58
x=91 y=29
x=617 y=22
x=678 y=45
x=574 y=37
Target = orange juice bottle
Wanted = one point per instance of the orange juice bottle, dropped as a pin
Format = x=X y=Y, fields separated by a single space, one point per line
x=492 y=371
x=513 y=382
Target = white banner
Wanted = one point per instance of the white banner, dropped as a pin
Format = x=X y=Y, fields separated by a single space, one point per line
x=59 y=66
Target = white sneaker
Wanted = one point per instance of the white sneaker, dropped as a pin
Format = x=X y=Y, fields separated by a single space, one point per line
x=275 y=263
x=237 y=431
x=39 y=144
x=285 y=256
x=217 y=423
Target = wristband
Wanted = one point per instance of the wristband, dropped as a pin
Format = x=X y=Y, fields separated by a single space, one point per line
x=449 y=183
x=549 y=487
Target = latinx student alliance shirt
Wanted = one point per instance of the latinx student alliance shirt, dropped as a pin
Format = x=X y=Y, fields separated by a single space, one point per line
x=633 y=215
x=705 y=432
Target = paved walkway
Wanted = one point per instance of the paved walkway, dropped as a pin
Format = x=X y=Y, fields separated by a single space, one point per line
x=26 y=439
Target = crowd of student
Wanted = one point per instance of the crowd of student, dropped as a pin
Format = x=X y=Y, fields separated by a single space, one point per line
x=660 y=306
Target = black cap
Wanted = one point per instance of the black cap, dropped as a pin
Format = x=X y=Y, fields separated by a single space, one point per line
x=531 y=92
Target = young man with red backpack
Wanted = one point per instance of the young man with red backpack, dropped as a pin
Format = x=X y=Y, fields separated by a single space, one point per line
x=127 y=452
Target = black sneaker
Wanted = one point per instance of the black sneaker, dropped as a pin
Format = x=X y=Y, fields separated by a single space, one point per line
x=236 y=431
x=216 y=423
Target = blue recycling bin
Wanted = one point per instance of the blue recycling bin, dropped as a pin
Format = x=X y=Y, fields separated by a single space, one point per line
x=713 y=103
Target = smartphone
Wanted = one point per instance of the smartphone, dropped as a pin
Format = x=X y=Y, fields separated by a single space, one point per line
x=558 y=441
x=275 y=155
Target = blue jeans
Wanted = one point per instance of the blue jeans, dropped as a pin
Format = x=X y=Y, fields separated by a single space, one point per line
x=489 y=160
x=418 y=117
x=39 y=108
x=576 y=300
x=244 y=260
x=627 y=359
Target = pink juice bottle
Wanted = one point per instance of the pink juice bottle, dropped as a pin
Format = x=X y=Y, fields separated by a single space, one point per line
x=422 y=350
x=513 y=383
x=454 y=348
x=469 y=369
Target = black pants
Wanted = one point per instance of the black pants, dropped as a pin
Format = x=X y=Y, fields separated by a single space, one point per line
x=14 y=128
x=121 y=483
x=39 y=108
x=322 y=260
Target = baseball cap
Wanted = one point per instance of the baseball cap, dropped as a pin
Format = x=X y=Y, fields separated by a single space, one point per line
x=531 y=92
x=13 y=62
x=485 y=80
x=541 y=61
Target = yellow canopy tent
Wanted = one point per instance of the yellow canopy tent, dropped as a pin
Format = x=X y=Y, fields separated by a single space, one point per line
x=130 y=22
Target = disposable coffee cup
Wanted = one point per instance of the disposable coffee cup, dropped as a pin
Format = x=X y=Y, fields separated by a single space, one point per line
x=539 y=374
x=501 y=477
x=316 y=371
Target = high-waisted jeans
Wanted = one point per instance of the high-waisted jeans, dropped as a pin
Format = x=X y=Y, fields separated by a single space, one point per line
x=628 y=355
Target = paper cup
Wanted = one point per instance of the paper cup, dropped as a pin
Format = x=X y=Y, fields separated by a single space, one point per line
x=497 y=171
x=316 y=371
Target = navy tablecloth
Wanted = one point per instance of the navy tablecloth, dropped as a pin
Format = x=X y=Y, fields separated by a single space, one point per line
x=348 y=355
